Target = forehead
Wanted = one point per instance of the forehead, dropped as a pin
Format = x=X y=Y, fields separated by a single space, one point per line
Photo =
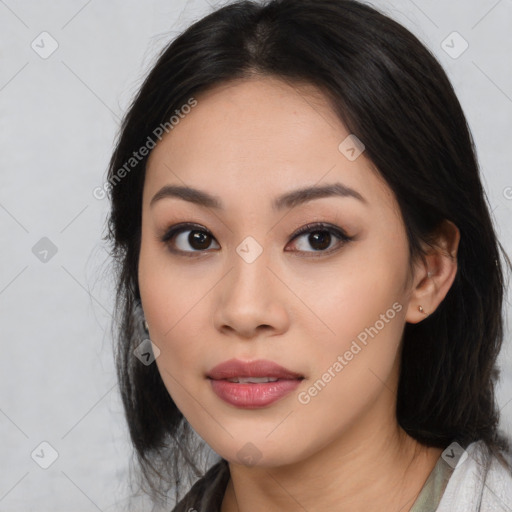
x=252 y=136
x=261 y=118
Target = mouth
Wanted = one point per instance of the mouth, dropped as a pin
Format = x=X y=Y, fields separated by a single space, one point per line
x=252 y=384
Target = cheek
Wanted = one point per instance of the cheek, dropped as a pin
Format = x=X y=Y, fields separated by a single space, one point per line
x=359 y=319
x=176 y=320
x=175 y=311
x=169 y=289
x=359 y=298
x=354 y=365
x=173 y=302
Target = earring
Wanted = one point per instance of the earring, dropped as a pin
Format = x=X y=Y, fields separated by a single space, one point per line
x=421 y=310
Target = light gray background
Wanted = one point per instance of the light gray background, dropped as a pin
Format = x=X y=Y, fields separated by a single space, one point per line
x=58 y=118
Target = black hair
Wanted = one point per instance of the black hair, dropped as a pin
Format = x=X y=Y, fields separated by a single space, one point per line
x=390 y=91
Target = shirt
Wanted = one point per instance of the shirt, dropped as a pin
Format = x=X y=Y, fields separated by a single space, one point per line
x=470 y=480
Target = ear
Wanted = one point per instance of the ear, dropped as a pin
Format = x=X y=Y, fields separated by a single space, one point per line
x=434 y=275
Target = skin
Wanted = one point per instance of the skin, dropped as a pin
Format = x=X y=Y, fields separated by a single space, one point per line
x=248 y=142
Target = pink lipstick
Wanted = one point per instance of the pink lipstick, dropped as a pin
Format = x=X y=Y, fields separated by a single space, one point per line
x=252 y=384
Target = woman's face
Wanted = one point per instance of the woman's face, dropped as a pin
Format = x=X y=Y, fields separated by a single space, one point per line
x=240 y=284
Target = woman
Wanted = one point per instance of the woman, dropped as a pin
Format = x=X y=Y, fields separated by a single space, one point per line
x=300 y=229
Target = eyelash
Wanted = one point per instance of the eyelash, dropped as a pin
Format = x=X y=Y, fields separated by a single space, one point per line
x=307 y=229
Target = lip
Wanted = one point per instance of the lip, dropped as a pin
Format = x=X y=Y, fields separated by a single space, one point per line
x=258 y=368
x=252 y=395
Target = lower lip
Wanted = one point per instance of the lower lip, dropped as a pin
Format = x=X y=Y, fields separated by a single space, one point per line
x=252 y=396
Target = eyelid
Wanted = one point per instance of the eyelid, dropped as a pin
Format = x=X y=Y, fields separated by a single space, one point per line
x=183 y=226
x=319 y=226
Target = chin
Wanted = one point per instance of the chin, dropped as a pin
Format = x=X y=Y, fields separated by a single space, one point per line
x=256 y=451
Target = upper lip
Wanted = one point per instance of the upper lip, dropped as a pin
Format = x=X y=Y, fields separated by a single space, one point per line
x=258 y=368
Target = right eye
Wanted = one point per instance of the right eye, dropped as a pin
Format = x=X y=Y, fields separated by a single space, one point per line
x=188 y=239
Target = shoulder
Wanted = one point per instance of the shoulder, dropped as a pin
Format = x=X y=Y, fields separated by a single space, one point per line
x=207 y=493
x=481 y=481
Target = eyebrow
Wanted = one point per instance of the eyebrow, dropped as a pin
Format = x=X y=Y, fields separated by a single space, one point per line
x=287 y=200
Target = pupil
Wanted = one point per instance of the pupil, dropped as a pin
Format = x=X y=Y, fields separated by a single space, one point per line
x=323 y=237
x=199 y=240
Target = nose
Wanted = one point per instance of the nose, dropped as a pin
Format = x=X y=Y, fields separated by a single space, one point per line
x=251 y=301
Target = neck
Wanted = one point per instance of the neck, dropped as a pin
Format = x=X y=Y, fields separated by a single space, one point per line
x=365 y=470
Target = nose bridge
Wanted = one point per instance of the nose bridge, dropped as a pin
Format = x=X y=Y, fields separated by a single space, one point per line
x=250 y=296
x=249 y=285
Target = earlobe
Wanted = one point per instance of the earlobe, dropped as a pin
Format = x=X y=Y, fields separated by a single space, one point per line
x=435 y=275
x=421 y=301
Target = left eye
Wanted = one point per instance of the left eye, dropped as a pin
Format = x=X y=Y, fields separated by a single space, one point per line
x=320 y=237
